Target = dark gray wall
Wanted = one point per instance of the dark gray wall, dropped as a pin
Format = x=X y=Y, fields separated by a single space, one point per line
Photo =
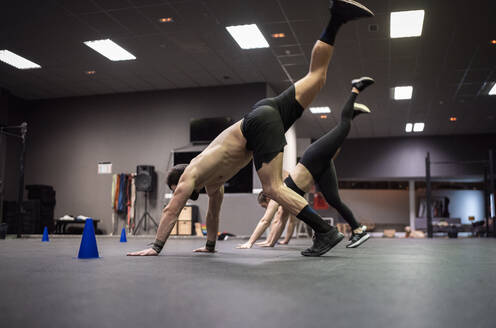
x=404 y=158
x=68 y=137
x=376 y=205
x=11 y=113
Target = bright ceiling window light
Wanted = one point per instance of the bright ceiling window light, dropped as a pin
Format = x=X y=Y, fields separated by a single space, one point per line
x=418 y=127
x=110 y=49
x=408 y=127
x=17 y=61
x=403 y=93
x=492 y=92
x=320 y=110
x=405 y=24
x=248 y=36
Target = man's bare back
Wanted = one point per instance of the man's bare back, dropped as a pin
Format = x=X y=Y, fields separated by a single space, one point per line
x=221 y=160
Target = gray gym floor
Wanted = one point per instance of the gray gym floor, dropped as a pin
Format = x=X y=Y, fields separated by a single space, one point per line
x=385 y=283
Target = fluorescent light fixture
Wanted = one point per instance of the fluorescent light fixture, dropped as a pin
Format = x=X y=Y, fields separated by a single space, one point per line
x=418 y=127
x=406 y=24
x=110 y=49
x=17 y=61
x=402 y=93
x=492 y=92
x=408 y=127
x=320 y=110
x=248 y=36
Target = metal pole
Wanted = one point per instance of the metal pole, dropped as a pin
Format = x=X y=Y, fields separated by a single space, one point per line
x=428 y=194
x=20 y=192
x=411 y=198
x=487 y=201
x=491 y=190
x=2 y=168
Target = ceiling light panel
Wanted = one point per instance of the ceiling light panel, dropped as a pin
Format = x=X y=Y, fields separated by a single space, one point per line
x=248 y=36
x=418 y=127
x=110 y=49
x=406 y=24
x=17 y=61
x=402 y=93
x=492 y=92
x=320 y=110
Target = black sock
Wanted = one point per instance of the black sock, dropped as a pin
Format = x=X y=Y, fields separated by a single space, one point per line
x=329 y=34
x=310 y=217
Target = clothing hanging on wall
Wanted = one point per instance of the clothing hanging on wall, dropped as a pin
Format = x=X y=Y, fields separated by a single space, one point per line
x=439 y=207
x=123 y=197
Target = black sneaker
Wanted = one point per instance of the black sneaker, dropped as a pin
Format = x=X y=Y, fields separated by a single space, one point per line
x=323 y=242
x=349 y=10
x=357 y=239
x=362 y=83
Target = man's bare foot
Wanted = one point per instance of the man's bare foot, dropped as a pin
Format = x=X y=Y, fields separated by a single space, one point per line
x=262 y=243
x=267 y=245
x=284 y=242
x=145 y=252
x=244 y=246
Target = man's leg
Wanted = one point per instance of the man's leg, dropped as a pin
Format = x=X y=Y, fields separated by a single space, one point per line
x=307 y=88
x=326 y=237
x=270 y=175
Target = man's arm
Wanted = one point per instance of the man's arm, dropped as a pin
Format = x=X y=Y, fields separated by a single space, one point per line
x=169 y=217
x=278 y=227
x=262 y=225
x=215 y=197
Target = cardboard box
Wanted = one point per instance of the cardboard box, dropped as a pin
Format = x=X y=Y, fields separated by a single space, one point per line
x=184 y=227
x=174 y=230
x=389 y=233
x=186 y=214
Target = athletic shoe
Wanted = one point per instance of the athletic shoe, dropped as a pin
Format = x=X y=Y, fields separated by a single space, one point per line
x=323 y=242
x=349 y=10
x=361 y=108
x=362 y=83
x=357 y=239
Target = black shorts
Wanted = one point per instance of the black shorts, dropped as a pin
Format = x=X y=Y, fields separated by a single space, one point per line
x=265 y=125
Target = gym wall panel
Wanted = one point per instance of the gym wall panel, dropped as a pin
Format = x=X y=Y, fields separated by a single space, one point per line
x=377 y=205
x=404 y=158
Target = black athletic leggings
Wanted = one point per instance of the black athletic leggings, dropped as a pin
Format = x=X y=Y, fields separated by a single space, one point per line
x=318 y=161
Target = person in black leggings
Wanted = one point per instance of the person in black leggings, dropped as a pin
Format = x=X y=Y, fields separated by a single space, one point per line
x=317 y=167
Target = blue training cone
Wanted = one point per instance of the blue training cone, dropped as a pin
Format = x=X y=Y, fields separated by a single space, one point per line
x=45 y=235
x=123 y=236
x=88 y=248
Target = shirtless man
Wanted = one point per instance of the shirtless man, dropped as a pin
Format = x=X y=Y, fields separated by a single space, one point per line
x=260 y=134
x=317 y=167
